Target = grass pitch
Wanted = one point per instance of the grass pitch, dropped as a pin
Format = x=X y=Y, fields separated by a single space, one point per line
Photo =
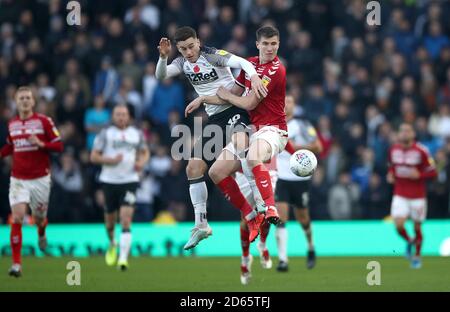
x=340 y=274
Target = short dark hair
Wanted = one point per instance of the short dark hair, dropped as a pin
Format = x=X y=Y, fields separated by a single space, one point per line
x=184 y=33
x=267 y=31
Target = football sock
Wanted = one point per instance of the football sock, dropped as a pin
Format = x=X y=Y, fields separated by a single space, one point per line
x=418 y=240
x=41 y=228
x=251 y=181
x=402 y=232
x=281 y=235
x=125 y=245
x=199 y=196
x=16 y=242
x=264 y=232
x=231 y=191
x=245 y=243
x=264 y=184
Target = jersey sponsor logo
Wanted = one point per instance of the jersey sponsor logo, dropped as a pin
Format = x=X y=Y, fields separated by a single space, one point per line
x=117 y=144
x=202 y=78
x=21 y=143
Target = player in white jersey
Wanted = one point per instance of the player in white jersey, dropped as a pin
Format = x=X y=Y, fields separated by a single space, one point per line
x=207 y=69
x=123 y=153
x=294 y=190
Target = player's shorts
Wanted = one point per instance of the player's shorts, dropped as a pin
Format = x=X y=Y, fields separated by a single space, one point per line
x=403 y=207
x=118 y=195
x=245 y=188
x=276 y=137
x=35 y=193
x=230 y=121
x=295 y=193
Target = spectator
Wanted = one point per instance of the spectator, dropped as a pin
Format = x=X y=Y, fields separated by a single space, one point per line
x=168 y=96
x=343 y=198
x=95 y=119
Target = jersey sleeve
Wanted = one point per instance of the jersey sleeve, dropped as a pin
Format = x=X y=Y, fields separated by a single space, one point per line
x=240 y=79
x=8 y=148
x=142 y=145
x=218 y=58
x=176 y=67
x=428 y=168
x=100 y=141
x=51 y=132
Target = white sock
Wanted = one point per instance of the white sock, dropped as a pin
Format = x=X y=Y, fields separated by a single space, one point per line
x=125 y=245
x=281 y=234
x=251 y=181
x=199 y=196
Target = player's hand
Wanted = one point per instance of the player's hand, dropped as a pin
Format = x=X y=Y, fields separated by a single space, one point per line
x=164 y=47
x=34 y=140
x=223 y=93
x=390 y=178
x=193 y=106
x=414 y=174
x=258 y=87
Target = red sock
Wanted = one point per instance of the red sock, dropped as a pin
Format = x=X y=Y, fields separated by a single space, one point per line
x=264 y=183
x=16 y=242
x=403 y=234
x=418 y=239
x=245 y=243
x=231 y=191
x=264 y=231
x=41 y=229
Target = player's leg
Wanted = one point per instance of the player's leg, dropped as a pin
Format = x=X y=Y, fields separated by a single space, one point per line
x=281 y=232
x=221 y=174
x=112 y=204
x=18 y=213
x=400 y=213
x=198 y=192
x=418 y=215
x=19 y=198
x=300 y=200
x=247 y=258
x=127 y=202
x=39 y=198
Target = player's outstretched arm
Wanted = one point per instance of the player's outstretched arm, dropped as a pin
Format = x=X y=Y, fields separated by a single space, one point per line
x=6 y=150
x=257 y=85
x=248 y=102
x=163 y=70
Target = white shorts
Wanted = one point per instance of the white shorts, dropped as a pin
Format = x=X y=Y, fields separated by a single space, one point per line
x=276 y=137
x=403 y=207
x=246 y=190
x=34 y=192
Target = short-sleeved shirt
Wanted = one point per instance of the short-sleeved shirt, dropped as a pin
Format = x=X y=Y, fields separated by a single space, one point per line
x=113 y=141
x=270 y=111
x=29 y=161
x=301 y=132
x=402 y=161
x=207 y=74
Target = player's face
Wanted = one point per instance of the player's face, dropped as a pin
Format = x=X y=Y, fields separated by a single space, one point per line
x=190 y=49
x=268 y=48
x=24 y=101
x=406 y=134
x=121 y=117
x=289 y=105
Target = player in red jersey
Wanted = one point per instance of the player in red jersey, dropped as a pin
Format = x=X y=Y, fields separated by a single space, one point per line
x=31 y=137
x=410 y=164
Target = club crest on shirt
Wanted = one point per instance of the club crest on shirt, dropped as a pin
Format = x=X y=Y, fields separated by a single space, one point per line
x=265 y=80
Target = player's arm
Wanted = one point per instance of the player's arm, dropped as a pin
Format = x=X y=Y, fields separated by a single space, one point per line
x=6 y=150
x=428 y=169
x=390 y=177
x=53 y=143
x=97 y=157
x=258 y=87
x=210 y=99
x=163 y=70
x=143 y=154
x=248 y=102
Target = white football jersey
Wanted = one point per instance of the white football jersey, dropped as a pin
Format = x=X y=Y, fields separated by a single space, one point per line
x=301 y=132
x=112 y=141
x=207 y=74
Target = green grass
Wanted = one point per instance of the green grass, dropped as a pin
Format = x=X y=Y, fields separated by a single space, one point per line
x=222 y=274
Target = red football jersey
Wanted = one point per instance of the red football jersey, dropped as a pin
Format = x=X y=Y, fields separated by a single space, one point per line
x=270 y=111
x=30 y=161
x=402 y=161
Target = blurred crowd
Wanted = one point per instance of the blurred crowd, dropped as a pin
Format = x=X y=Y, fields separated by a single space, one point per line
x=355 y=82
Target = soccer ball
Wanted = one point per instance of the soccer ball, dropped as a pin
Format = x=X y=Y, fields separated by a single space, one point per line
x=303 y=163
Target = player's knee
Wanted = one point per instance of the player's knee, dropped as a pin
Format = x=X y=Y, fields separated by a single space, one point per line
x=194 y=170
x=17 y=218
x=216 y=174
